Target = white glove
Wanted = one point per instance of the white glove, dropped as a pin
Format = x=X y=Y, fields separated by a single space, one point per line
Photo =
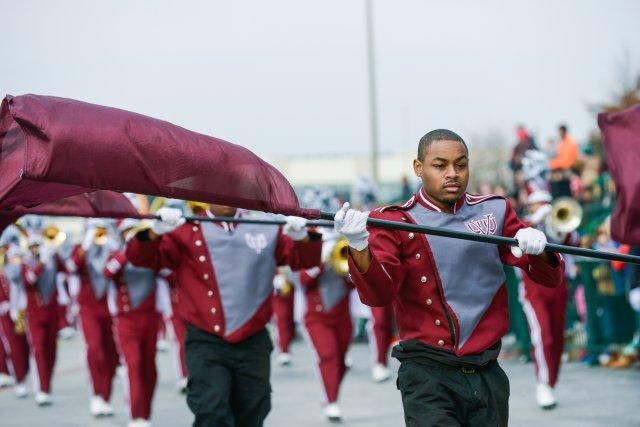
x=5 y=307
x=352 y=224
x=279 y=281
x=634 y=298
x=87 y=240
x=13 y=314
x=539 y=215
x=530 y=241
x=296 y=228
x=170 y=219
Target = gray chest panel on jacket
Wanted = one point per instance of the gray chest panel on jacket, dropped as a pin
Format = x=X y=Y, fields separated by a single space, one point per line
x=95 y=259
x=332 y=288
x=244 y=266
x=141 y=282
x=471 y=272
x=47 y=279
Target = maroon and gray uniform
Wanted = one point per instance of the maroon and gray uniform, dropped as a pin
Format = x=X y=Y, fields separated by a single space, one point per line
x=545 y=310
x=136 y=323
x=225 y=277
x=328 y=323
x=41 y=315
x=14 y=344
x=95 y=319
x=450 y=301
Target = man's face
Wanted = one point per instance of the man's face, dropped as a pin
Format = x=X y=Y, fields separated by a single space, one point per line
x=444 y=170
x=221 y=210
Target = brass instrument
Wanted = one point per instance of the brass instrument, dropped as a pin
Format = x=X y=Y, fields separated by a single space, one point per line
x=339 y=257
x=101 y=237
x=19 y=326
x=197 y=207
x=53 y=236
x=566 y=215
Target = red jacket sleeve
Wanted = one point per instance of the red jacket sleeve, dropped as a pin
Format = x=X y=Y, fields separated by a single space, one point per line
x=309 y=278
x=299 y=255
x=163 y=252
x=113 y=266
x=30 y=275
x=541 y=272
x=380 y=283
x=76 y=260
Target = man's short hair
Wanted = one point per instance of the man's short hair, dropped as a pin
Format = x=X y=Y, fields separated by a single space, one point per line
x=438 y=135
x=563 y=127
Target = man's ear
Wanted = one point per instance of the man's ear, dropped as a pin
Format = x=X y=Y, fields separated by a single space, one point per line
x=417 y=168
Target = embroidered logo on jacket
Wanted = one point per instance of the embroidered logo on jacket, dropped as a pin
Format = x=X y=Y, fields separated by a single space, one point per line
x=257 y=242
x=485 y=225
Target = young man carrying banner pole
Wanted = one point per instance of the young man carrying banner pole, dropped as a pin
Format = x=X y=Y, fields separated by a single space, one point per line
x=449 y=294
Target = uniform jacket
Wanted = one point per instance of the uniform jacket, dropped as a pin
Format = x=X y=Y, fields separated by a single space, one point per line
x=134 y=288
x=327 y=293
x=89 y=266
x=226 y=277
x=449 y=294
x=40 y=281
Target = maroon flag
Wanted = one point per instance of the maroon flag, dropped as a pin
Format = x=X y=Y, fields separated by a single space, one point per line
x=51 y=148
x=621 y=136
x=102 y=204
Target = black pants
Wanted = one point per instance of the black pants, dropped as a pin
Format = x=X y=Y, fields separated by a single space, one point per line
x=435 y=394
x=228 y=383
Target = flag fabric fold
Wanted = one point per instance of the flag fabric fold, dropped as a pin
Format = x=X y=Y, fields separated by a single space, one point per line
x=98 y=204
x=621 y=137
x=52 y=148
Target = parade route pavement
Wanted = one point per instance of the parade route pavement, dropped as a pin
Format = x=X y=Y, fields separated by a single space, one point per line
x=587 y=396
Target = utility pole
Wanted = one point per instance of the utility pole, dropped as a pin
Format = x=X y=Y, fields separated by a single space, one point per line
x=373 y=110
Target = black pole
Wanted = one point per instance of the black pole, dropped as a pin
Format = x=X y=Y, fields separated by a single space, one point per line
x=496 y=240
x=310 y=223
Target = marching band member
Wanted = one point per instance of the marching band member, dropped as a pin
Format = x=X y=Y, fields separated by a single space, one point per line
x=136 y=322
x=12 y=334
x=545 y=307
x=88 y=261
x=169 y=290
x=327 y=318
x=225 y=273
x=449 y=295
x=39 y=270
x=380 y=331
x=283 y=308
x=169 y=293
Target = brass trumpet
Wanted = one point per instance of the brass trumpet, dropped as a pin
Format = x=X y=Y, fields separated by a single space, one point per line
x=566 y=215
x=340 y=256
x=101 y=237
x=53 y=236
x=20 y=325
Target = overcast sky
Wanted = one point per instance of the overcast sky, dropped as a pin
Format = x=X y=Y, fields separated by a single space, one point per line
x=289 y=76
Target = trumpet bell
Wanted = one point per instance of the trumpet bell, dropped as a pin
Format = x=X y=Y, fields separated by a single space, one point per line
x=101 y=238
x=53 y=236
x=566 y=215
x=340 y=256
x=197 y=207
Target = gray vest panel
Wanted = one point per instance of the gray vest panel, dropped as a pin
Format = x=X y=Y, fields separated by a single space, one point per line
x=13 y=273
x=47 y=280
x=141 y=282
x=471 y=272
x=244 y=265
x=332 y=288
x=96 y=259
